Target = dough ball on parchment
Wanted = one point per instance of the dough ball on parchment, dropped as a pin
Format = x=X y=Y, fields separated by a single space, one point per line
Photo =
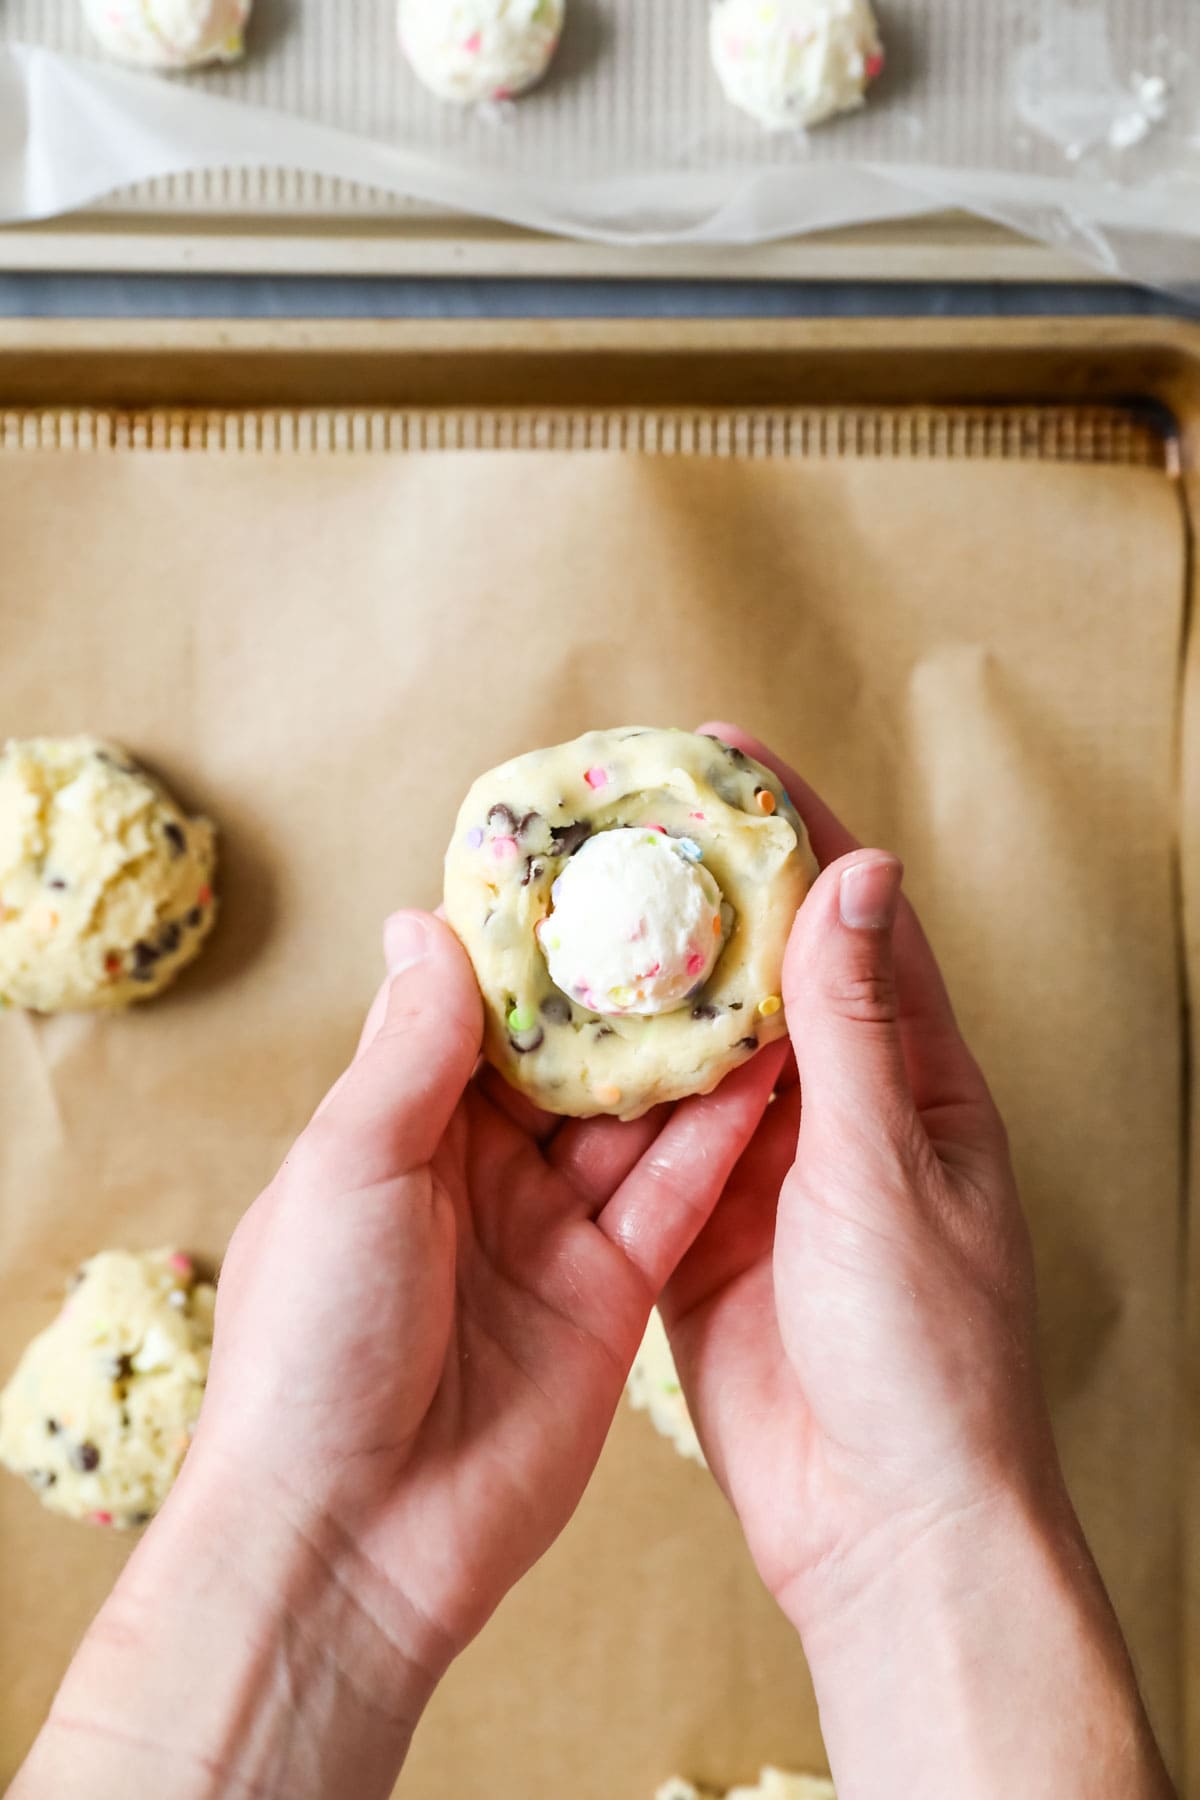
x=101 y=1408
x=105 y=885
x=169 y=34
x=478 y=50
x=653 y=1388
x=793 y=63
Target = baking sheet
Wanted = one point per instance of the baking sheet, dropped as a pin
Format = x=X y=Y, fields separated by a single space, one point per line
x=1017 y=111
x=972 y=649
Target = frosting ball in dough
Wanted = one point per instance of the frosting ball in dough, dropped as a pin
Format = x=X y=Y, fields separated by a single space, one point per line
x=475 y=50
x=792 y=63
x=169 y=34
x=635 y=923
x=105 y=884
x=100 y=1411
x=653 y=1387
x=558 y=949
x=773 y=1784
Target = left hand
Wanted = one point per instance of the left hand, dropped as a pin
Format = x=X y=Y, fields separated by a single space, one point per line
x=423 y=1329
x=425 y=1323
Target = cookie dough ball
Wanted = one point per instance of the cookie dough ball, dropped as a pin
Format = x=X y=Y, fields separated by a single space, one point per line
x=475 y=50
x=653 y=1387
x=100 y=1411
x=793 y=63
x=773 y=1784
x=169 y=34
x=105 y=885
x=626 y=901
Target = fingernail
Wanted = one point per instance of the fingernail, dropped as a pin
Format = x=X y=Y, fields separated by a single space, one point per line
x=869 y=893
x=405 y=940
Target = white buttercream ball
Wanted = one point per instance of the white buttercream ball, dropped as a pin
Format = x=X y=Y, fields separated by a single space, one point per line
x=635 y=925
x=792 y=63
x=476 y=50
x=168 y=34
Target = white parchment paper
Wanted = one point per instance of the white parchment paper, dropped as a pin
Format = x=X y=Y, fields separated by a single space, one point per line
x=1077 y=121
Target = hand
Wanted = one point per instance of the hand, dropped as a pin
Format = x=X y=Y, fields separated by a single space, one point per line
x=854 y=1330
x=423 y=1329
x=424 y=1325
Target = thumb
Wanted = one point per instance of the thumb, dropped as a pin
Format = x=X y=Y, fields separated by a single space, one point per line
x=840 y=992
x=387 y=1113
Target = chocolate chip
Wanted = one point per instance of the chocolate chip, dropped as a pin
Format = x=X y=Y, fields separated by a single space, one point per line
x=706 y=1012
x=533 y=869
x=556 y=1008
x=503 y=819
x=53 y=1427
x=168 y=938
x=746 y=1043
x=528 y=822
x=41 y=1479
x=194 y=917
x=736 y=1005
x=603 y=1031
x=139 y=1518
x=737 y=757
x=566 y=839
x=85 y=1457
x=528 y=1040
x=174 y=836
x=144 y=955
x=56 y=881
x=118 y=1368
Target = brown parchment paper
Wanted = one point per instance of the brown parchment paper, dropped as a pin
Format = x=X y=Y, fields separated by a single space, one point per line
x=976 y=660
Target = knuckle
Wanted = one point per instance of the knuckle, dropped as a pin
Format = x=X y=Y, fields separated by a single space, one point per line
x=865 y=997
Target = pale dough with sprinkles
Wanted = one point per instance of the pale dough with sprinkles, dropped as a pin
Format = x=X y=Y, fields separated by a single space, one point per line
x=628 y=1032
x=106 y=885
x=99 y=1412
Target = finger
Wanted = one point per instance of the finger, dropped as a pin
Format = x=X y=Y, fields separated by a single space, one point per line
x=376 y=1013
x=741 y=1231
x=388 y=1112
x=596 y=1155
x=843 y=1011
x=662 y=1204
x=942 y=1071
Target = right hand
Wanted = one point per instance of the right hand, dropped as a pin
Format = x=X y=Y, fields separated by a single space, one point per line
x=855 y=1332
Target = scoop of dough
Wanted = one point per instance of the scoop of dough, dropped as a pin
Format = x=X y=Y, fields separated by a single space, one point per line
x=635 y=923
x=105 y=885
x=100 y=1411
x=793 y=63
x=653 y=1388
x=169 y=34
x=773 y=1784
x=475 y=50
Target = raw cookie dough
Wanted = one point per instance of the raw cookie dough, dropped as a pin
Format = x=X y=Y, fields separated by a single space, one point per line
x=100 y=1410
x=105 y=885
x=653 y=1387
x=476 y=50
x=605 y=1046
x=773 y=1785
x=792 y=63
x=169 y=34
